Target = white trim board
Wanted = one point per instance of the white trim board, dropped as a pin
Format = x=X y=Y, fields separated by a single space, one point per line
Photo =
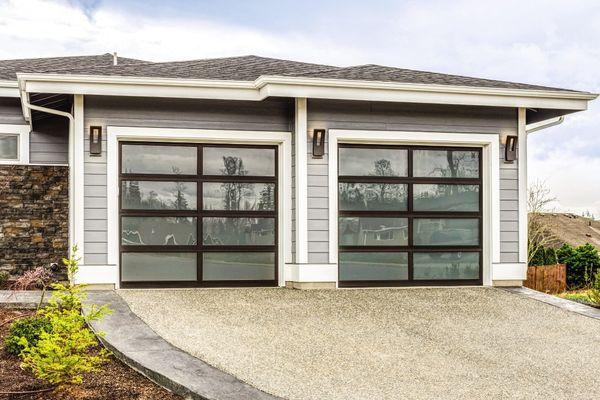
x=490 y=174
x=282 y=139
x=301 y=180
x=302 y=87
x=22 y=131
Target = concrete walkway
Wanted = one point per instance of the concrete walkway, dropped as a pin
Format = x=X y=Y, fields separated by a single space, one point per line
x=555 y=301
x=477 y=343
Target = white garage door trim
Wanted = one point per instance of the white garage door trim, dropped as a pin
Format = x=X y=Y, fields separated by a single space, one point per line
x=117 y=133
x=490 y=144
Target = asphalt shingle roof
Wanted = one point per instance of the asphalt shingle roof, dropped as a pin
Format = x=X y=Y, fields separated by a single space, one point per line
x=244 y=68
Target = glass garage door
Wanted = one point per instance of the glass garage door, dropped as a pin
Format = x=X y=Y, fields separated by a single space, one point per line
x=409 y=216
x=197 y=215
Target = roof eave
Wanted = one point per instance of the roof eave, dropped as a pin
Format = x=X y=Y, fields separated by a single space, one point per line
x=285 y=86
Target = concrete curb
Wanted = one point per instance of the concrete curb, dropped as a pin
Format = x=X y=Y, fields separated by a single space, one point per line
x=28 y=299
x=565 y=304
x=138 y=346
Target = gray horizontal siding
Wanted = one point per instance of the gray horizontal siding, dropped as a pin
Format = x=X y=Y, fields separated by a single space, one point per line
x=329 y=114
x=270 y=115
x=49 y=141
x=11 y=111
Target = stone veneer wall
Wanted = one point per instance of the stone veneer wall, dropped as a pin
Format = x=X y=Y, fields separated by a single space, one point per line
x=34 y=216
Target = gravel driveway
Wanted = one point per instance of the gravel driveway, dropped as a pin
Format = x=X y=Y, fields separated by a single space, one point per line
x=478 y=343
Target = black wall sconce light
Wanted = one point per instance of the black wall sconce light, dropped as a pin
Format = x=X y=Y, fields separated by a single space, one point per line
x=510 y=149
x=95 y=140
x=318 y=143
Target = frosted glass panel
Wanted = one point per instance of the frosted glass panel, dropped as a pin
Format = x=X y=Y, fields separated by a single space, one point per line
x=152 y=195
x=238 y=231
x=446 y=265
x=152 y=159
x=238 y=196
x=372 y=196
x=158 y=231
x=365 y=231
x=373 y=266
x=446 y=197
x=9 y=147
x=137 y=267
x=355 y=161
x=230 y=161
x=446 y=163
x=446 y=232
x=237 y=266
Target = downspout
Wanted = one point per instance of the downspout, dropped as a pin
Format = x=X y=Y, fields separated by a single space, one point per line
x=555 y=122
x=26 y=104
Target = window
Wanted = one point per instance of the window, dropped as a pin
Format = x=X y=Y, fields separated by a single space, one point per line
x=409 y=215
x=198 y=215
x=14 y=144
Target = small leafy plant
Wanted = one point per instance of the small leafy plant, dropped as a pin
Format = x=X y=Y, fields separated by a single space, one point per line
x=38 y=277
x=63 y=353
x=594 y=291
x=4 y=278
x=29 y=328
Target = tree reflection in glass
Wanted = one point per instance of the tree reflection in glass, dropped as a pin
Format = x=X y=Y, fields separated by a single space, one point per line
x=374 y=195
x=446 y=163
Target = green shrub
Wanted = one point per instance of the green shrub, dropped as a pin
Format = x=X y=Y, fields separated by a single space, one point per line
x=64 y=354
x=594 y=292
x=29 y=328
x=582 y=264
x=544 y=256
x=69 y=349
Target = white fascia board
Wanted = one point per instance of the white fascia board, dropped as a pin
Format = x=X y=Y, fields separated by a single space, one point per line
x=279 y=86
x=9 y=89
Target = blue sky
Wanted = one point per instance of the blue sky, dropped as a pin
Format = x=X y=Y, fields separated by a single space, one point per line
x=548 y=42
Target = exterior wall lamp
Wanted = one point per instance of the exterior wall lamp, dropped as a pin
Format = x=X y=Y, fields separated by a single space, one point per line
x=318 y=143
x=510 y=149
x=95 y=141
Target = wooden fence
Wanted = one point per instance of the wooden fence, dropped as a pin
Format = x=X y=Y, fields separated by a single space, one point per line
x=547 y=278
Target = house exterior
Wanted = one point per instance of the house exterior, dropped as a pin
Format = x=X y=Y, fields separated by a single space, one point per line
x=251 y=171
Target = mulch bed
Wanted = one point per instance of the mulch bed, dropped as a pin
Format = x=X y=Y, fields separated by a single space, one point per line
x=116 y=381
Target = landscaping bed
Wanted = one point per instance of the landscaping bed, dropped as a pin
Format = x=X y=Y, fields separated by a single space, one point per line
x=116 y=381
x=580 y=296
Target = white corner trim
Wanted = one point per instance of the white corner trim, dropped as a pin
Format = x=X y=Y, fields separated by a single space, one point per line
x=283 y=140
x=97 y=274
x=281 y=86
x=301 y=180
x=509 y=271
x=522 y=179
x=78 y=177
x=311 y=273
x=22 y=131
x=491 y=179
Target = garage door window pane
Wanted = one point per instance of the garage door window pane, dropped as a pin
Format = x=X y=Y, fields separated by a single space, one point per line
x=152 y=195
x=355 y=161
x=238 y=196
x=446 y=197
x=238 y=231
x=373 y=266
x=140 y=267
x=446 y=232
x=9 y=147
x=365 y=231
x=152 y=159
x=158 y=231
x=230 y=161
x=446 y=265
x=446 y=163
x=373 y=196
x=238 y=266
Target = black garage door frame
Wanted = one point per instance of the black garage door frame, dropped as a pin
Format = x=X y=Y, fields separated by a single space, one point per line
x=411 y=214
x=199 y=248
